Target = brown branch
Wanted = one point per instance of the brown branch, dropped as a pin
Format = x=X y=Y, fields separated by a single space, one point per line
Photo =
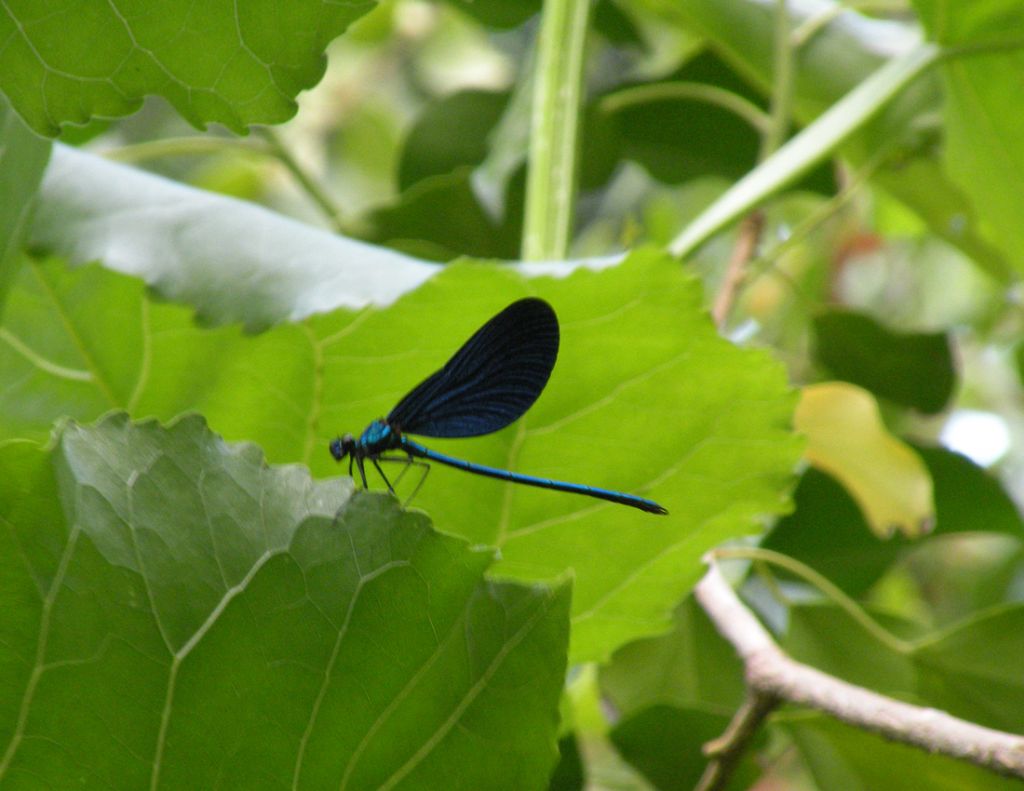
x=772 y=674
x=746 y=243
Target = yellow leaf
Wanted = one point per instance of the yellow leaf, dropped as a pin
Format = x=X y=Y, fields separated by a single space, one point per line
x=847 y=439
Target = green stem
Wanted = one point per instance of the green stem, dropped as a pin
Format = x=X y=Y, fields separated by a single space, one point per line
x=317 y=194
x=815 y=23
x=782 y=83
x=183 y=146
x=697 y=91
x=558 y=86
x=830 y=590
x=270 y=146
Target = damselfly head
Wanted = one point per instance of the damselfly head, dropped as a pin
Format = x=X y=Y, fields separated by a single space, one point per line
x=342 y=446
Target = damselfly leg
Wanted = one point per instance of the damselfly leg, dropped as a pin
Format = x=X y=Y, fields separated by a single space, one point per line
x=408 y=462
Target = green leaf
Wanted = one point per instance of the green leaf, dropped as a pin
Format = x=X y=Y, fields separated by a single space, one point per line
x=972 y=672
x=177 y=614
x=430 y=148
x=827 y=638
x=655 y=134
x=441 y=218
x=842 y=757
x=984 y=154
x=912 y=369
x=968 y=498
x=637 y=352
x=691 y=666
x=660 y=133
x=646 y=398
x=501 y=14
x=665 y=744
x=827 y=531
x=568 y=774
x=23 y=158
x=215 y=62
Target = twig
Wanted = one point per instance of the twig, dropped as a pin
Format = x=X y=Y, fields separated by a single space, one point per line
x=269 y=146
x=772 y=674
x=782 y=83
x=726 y=751
x=313 y=189
x=746 y=243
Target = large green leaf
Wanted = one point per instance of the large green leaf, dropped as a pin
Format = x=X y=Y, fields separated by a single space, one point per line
x=646 y=398
x=175 y=614
x=216 y=61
